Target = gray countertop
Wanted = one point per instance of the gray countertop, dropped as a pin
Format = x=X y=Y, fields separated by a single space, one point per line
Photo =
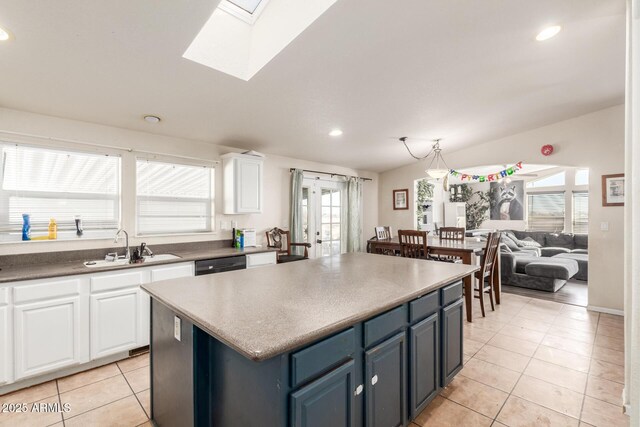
x=14 y=273
x=270 y=310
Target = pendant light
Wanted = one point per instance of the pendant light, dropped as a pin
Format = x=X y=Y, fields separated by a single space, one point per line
x=437 y=168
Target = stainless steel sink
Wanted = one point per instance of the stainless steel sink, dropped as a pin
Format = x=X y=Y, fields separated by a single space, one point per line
x=120 y=262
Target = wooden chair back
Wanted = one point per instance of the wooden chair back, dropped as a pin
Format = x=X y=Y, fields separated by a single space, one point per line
x=383 y=232
x=278 y=239
x=489 y=258
x=452 y=233
x=413 y=243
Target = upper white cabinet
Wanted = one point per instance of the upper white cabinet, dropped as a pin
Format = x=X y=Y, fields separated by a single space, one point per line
x=242 y=183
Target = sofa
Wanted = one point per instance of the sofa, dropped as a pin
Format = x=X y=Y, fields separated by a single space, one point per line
x=542 y=261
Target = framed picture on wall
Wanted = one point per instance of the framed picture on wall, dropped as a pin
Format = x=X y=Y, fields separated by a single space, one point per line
x=401 y=199
x=613 y=190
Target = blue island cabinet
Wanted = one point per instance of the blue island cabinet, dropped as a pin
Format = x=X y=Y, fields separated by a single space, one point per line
x=382 y=371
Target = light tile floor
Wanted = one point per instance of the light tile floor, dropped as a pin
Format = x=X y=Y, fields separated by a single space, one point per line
x=529 y=363
x=536 y=363
x=112 y=395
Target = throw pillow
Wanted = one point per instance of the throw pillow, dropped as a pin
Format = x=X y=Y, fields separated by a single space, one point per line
x=530 y=243
x=510 y=243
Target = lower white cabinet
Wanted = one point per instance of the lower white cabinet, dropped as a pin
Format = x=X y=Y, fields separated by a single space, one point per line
x=116 y=318
x=47 y=335
x=260 y=259
x=6 y=340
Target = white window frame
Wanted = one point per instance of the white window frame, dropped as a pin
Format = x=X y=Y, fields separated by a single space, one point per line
x=240 y=13
x=210 y=217
x=543 y=192
x=63 y=226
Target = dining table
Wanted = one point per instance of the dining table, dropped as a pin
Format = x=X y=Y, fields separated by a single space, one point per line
x=467 y=250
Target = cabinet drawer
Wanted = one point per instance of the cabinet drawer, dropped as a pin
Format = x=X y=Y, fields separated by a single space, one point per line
x=116 y=281
x=46 y=290
x=172 y=272
x=384 y=325
x=320 y=357
x=257 y=260
x=423 y=306
x=451 y=293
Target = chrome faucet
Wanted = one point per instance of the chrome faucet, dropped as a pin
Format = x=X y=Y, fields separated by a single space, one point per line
x=127 y=255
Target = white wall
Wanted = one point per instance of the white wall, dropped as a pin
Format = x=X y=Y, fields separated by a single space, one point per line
x=276 y=177
x=594 y=141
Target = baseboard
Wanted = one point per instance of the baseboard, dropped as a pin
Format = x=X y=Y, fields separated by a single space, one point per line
x=605 y=310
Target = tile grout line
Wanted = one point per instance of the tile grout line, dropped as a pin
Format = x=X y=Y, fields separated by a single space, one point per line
x=134 y=393
x=60 y=403
x=98 y=407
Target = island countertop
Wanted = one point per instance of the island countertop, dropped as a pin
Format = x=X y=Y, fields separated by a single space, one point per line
x=267 y=311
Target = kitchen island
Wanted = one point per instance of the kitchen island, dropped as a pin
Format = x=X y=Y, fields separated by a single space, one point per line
x=350 y=340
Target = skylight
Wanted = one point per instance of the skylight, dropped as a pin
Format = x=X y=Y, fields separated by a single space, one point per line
x=249 y=6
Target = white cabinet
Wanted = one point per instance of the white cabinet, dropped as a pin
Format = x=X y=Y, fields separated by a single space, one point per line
x=258 y=260
x=117 y=310
x=115 y=322
x=242 y=183
x=50 y=326
x=6 y=340
x=174 y=271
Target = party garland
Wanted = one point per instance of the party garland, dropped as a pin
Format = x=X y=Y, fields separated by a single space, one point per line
x=491 y=177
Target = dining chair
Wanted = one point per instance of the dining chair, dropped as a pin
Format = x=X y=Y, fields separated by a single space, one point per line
x=488 y=268
x=383 y=232
x=413 y=244
x=280 y=240
x=451 y=234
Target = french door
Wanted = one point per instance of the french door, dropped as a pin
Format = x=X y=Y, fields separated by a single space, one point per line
x=322 y=205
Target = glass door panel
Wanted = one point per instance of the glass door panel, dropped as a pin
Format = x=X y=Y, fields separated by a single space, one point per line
x=321 y=209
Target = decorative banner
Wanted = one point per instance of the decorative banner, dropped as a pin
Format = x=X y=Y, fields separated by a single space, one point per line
x=489 y=178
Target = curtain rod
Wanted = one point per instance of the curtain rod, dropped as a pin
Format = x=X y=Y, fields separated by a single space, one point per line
x=110 y=147
x=332 y=174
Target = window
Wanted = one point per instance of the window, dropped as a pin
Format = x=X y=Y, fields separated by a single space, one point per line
x=582 y=177
x=545 y=211
x=248 y=6
x=305 y=214
x=63 y=185
x=173 y=198
x=555 y=180
x=580 y=212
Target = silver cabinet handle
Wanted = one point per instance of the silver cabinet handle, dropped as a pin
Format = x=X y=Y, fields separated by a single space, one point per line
x=374 y=380
x=358 y=390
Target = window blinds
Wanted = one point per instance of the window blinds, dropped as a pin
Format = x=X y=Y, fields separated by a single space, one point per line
x=47 y=183
x=173 y=198
x=580 y=212
x=545 y=212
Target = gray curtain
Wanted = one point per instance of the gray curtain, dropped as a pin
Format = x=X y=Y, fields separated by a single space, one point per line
x=354 y=215
x=295 y=219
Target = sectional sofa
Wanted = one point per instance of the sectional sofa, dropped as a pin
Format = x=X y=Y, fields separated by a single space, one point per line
x=543 y=261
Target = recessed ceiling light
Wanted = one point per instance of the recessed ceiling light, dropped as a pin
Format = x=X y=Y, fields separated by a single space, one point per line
x=152 y=119
x=4 y=35
x=548 y=32
x=335 y=132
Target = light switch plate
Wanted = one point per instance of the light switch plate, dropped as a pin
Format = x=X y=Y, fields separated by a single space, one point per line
x=177 y=330
x=604 y=226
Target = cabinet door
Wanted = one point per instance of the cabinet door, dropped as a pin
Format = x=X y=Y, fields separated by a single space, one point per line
x=451 y=341
x=5 y=339
x=115 y=322
x=328 y=401
x=386 y=385
x=47 y=336
x=248 y=186
x=424 y=363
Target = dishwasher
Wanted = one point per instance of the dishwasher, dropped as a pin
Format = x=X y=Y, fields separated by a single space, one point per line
x=218 y=265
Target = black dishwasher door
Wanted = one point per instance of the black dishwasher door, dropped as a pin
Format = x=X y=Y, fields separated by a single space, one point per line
x=218 y=265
